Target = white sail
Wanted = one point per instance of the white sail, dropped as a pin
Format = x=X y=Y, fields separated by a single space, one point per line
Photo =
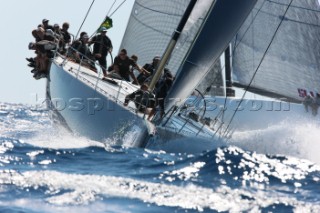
x=222 y=23
x=279 y=44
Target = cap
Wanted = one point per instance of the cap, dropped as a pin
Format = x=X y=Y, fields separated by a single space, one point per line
x=156 y=58
x=45 y=20
x=56 y=25
x=31 y=45
x=85 y=36
x=103 y=29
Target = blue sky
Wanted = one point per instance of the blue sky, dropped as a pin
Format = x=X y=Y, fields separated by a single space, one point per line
x=18 y=18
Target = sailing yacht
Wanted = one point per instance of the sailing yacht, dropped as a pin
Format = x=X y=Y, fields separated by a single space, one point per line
x=262 y=46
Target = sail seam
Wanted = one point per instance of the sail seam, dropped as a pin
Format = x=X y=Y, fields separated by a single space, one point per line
x=158 y=11
x=303 y=8
x=245 y=33
x=152 y=28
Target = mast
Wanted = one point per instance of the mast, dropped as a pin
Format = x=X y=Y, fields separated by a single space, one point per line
x=228 y=72
x=172 y=44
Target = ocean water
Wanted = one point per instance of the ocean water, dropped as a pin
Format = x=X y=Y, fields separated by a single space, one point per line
x=45 y=169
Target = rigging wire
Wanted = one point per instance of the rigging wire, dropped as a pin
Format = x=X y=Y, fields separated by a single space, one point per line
x=109 y=13
x=256 y=71
x=118 y=7
x=111 y=7
x=85 y=18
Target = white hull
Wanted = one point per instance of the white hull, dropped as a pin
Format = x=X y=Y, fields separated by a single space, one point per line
x=91 y=107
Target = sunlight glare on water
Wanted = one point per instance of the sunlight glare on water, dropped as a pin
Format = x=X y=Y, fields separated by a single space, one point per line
x=43 y=167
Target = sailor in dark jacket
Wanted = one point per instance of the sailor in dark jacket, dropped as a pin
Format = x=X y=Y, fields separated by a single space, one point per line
x=161 y=90
x=80 y=51
x=102 y=46
x=81 y=46
x=142 y=98
x=148 y=70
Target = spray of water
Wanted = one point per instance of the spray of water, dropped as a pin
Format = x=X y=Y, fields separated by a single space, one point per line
x=291 y=138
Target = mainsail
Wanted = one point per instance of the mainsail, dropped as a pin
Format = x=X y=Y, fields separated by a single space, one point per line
x=279 y=46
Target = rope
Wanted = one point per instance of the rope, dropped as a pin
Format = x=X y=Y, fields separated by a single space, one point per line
x=256 y=71
x=85 y=18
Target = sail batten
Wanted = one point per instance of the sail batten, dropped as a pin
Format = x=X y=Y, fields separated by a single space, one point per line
x=159 y=11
